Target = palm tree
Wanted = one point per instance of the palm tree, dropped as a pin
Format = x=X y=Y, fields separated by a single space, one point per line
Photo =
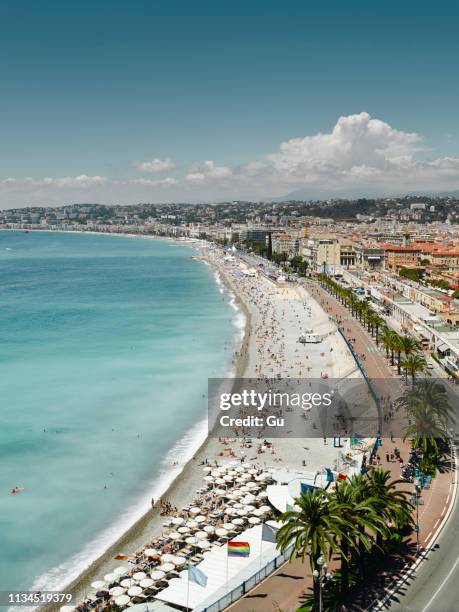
x=356 y=512
x=312 y=530
x=413 y=364
x=392 y=504
x=409 y=345
x=429 y=414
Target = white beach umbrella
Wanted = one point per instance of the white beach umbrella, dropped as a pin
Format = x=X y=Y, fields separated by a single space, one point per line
x=135 y=591
x=201 y=535
x=221 y=532
x=183 y=529
x=253 y=471
x=263 y=495
x=265 y=508
x=191 y=524
x=220 y=481
x=254 y=520
x=216 y=473
x=151 y=552
x=166 y=567
x=245 y=488
x=139 y=575
x=239 y=469
x=231 y=511
x=166 y=558
x=200 y=519
x=127 y=583
x=195 y=510
x=209 y=529
x=98 y=584
x=116 y=591
x=231 y=496
x=258 y=512
x=120 y=570
x=122 y=600
x=174 y=535
x=228 y=526
x=203 y=544
x=179 y=561
x=178 y=520
x=251 y=485
x=238 y=493
x=250 y=508
x=237 y=506
x=158 y=574
x=238 y=521
x=220 y=492
x=242 y=512
x=207 y=469
x=191 y=541
x=146 y=583
x=228 y=478
x=209 y=478
x=109 y=578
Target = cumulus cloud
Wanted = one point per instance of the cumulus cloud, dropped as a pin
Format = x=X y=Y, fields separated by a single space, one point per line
x=359 y=155
x=156 y=165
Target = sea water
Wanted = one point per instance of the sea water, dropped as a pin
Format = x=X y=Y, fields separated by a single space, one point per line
x=106 y=345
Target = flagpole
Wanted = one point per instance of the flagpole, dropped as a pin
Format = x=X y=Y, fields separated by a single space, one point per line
x=227 y=556
x=188 y=589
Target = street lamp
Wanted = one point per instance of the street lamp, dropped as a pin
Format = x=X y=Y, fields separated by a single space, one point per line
x=317 y=573
x=417 y=495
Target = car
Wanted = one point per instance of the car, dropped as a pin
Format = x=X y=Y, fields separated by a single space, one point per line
x=430 y=366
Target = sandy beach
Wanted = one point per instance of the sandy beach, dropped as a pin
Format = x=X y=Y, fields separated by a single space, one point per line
x=275 y=316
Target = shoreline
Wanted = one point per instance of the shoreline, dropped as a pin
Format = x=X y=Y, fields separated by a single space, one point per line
x=177 y=491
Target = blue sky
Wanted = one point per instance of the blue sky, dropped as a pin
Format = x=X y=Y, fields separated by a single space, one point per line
x=96 y=88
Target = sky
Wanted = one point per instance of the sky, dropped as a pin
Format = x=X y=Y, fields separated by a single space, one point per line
x=121 y=102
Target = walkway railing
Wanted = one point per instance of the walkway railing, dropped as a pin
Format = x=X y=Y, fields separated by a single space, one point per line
x=246 y=586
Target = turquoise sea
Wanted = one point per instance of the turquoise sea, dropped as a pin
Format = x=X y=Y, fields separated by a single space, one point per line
x=106 y=344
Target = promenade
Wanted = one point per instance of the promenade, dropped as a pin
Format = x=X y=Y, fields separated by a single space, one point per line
x=289 y=586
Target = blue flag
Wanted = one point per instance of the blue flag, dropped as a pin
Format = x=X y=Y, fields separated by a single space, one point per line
x=330 y=477
x=306 y=488
x=197 y=575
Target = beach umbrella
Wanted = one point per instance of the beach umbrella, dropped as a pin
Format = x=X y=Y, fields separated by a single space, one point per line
x=216 y=473
x=221 y=532
x=122 y=600
x=200 y=519
x=254 y=520
x=232 y=473
x=119 y=571
x=109 y=578
x=201 y=535
x=195 y=510
x=209 y=478
x=178 y=520
x=209 y=529
x=220 y=492
x=139 y=575
x=116 y=591
x=250 y=508
x=227 y=478
x=203 y=544
x=258 y=512
x=150 y=552
x=238 y=521
x=231 y=496
x=265 y=508
x=238 y=505
x=251 y=485
x=238 y=493
x=146 y=583
x=239 y=469
x=263 y=495
x=179 y=561
x=191 y=540
x=166 y=567
x=228 y=526
x=220 y=481
x=231 y=511
x=134 y=591
x=242 y=512
x=245 y=488
x=175 y=535
x=157 y=574
x=166 y=558
x=127 y=583
x=206 y=469
x=98 y=584
x=253 y=471
x=191 y=524
x=183 y=529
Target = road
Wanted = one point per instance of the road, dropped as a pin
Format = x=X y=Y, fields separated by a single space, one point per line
x=435 y=585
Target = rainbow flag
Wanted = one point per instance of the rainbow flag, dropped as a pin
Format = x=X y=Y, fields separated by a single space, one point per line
x=238 y=549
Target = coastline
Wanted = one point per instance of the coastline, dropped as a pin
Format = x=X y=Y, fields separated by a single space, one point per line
x=190 y=476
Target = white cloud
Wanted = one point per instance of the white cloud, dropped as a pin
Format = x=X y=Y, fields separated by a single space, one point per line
x=156 y=165
x=360 y=155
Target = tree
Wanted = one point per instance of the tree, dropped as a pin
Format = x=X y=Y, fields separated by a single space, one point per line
x=312 y=530
x=412 y=364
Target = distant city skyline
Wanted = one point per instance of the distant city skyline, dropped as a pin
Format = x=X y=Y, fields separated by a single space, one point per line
x=119 y=103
